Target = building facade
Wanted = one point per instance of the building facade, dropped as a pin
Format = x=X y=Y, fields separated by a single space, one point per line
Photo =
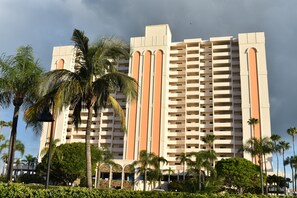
x=187 y=90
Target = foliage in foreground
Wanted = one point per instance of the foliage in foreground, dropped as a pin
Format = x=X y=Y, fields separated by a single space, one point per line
x=22 y=191
x=68 y=163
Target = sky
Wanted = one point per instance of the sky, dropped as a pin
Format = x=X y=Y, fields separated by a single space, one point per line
x=48 y=23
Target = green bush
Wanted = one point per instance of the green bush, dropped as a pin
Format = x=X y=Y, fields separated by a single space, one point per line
x=25 y=191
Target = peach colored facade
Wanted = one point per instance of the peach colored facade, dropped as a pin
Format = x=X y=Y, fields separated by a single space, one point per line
x=187 y=89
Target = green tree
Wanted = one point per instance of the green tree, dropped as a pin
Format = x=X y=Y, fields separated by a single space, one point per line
x=19 y=146
x=105 y=157
x=209 y=139
x=145 y=160
x=183 y=158
x=283 y=147
x=276 y=149
x=238 y=172
x=170 y=171
x=4 y=124
x=17 y=163
x=70 y=163
x=253 y=122
x=156 y=163
x=292 y=131
x=258 y=148
x=45 y=150
x=30 y=161
x=200 y=162
x=19 y=81
x=92 y=83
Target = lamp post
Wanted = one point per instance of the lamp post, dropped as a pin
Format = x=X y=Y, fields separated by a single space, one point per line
x=47 y=116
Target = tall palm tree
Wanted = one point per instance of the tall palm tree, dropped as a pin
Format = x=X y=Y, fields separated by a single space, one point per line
x=30 y=161
x=258 y=148
x=283 y=147
x=170 y=171
x=20 y=77
x=19 y=146
x=45 y=150
x=290 y=161
x=253 y=122
x=105 y=157
x=4 y=124
x=156 y=163
x=209 y=139
x=17 y=164
x=183 y=158
x=292 y=131
x=200 y=161
x=4 y=158
x=145 y=160
x=92 y=83
x=276 y=149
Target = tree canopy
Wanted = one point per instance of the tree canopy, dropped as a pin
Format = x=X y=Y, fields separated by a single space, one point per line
x=239 y=173
x=68 y=162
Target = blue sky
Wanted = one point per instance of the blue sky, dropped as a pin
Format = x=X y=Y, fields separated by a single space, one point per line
x=48 y=23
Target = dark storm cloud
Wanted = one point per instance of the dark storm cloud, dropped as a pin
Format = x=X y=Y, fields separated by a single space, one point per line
x=48 y=23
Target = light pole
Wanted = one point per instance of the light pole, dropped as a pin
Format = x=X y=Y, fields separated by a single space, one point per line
x=47 y=116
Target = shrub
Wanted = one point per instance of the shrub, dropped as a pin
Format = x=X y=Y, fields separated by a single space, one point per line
x=23 y=191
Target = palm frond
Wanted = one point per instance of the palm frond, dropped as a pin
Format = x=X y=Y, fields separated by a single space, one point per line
x=119 y=110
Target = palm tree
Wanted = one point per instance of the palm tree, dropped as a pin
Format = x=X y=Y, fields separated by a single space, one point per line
x=19 y=146
x=156 y=163
x=253 y=122
x=30 y=161
x=276 y=149
x=17 y=164
x=145 y=159
x=258 y=148
x=170 y=171
x=201 y=161
x=209 y=139
x=92 y=83
x=183 y=158
x=45 y=150
x=105 y=157
x=293 y=164
x=283 y=147
x=20 y=75
x=292 y=131
x=4 y=124
x=4 y=158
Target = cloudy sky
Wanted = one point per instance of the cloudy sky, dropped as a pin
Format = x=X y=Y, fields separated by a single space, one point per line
x=48 y=23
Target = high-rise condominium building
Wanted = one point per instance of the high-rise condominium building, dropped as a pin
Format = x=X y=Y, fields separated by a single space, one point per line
x=187 y=90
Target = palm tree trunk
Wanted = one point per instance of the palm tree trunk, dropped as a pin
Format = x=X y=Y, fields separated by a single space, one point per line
x=144 y=181
x=199 y=180
x=12 y=141
x=293 y=145
x=285 y=176
x=266 y=187
x=184 y=174
x=277 y=167
x=98 y=176
x=88 y=149
x=261 y=174
x=292 y=170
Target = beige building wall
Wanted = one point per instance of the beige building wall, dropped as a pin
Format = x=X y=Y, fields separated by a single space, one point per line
x=187 y=89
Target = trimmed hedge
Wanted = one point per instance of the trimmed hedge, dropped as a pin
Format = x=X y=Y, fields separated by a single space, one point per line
x=22 y=191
